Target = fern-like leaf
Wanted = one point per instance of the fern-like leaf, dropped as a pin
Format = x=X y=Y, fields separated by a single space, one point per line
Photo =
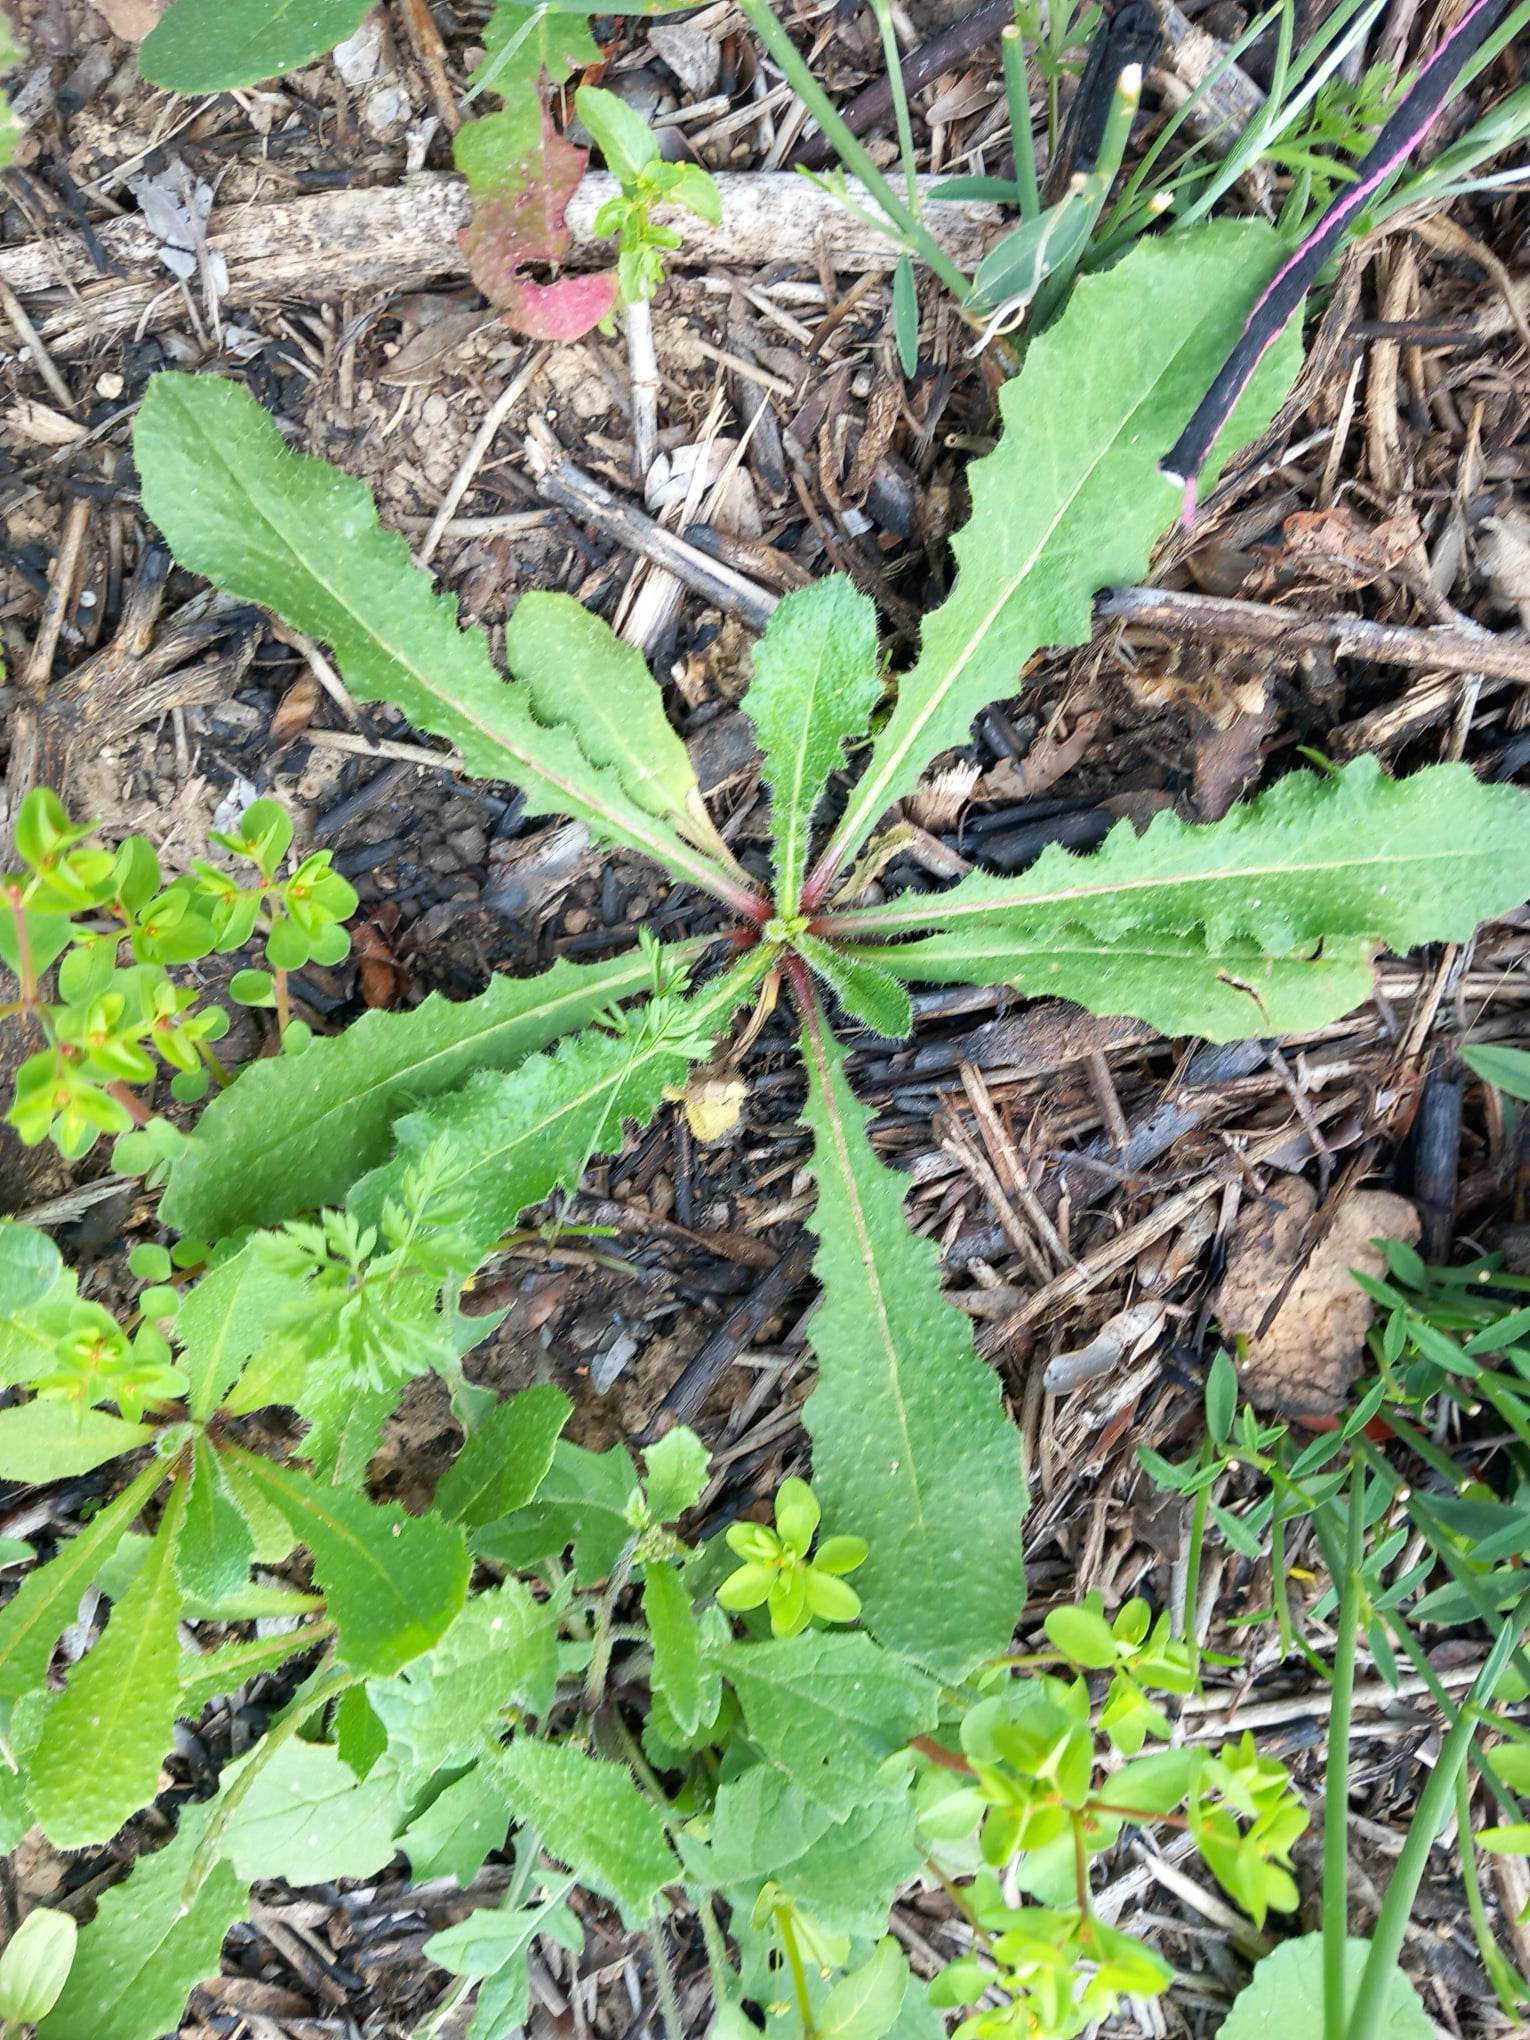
x=911 y=1446
x=1261 y=923
x=302 y=539
x=1071 y=498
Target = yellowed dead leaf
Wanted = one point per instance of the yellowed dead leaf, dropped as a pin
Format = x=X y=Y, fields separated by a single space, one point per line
x=1305 y=1361
x=712 y=1104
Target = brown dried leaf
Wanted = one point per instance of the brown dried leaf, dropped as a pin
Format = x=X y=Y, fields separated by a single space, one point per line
x=294 y=712
x=1305 y=1360
x=876 y=435
x=1049 y=759
x=937 y=801
x=1350 y=552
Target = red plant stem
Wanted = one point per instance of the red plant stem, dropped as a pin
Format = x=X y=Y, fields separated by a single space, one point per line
x=26 y=976
x=134 y=1104
x=751 y=905
x=796 y=973
x=939 y=1754
x=820 y=882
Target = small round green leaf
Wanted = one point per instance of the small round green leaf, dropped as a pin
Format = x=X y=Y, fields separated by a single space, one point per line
x=252 y=988
x=1286 y=1996
x=36 y=1965
x=151 y=1262
x=29 y=1266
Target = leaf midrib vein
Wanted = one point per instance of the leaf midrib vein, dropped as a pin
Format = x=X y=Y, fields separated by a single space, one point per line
x=877 y=919
x=666 y=855
x=854 y=820
x=833 y=1120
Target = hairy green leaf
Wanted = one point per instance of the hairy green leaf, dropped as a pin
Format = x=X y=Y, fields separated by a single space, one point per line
x=581 y=675
x=1224 y=994
x=149 y=1945
x=441 y=1711
x=296 y=1131
x=681 y=1678
x=866 y=990
x=911 y=1446
x=103 y=1739
x=206 y=1676
x=505 y=1459
x=301 y=538
x=306 y=1817
x=520 y=45
x=827 y=1710
x=1261 y=923
x=392 y=1582
x=846 y=1873
x=220 y=45
x=493 y=1943
x=675 y=1473
x=816 y=681
x=45 y=1603
x=453 y=1835
x=582 y=1502
x=229 y=1313
x=512 y=1138
x=1071 y=498
x=48 y=1439
x=493 y=1936
x=214 y=1555
x=591 y=1817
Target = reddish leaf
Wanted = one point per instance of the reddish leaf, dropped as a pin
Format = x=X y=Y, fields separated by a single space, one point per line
x=523 y=174
x=565 y=310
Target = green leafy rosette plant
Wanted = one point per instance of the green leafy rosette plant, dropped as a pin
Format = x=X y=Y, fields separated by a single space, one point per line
x=334 y=1202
